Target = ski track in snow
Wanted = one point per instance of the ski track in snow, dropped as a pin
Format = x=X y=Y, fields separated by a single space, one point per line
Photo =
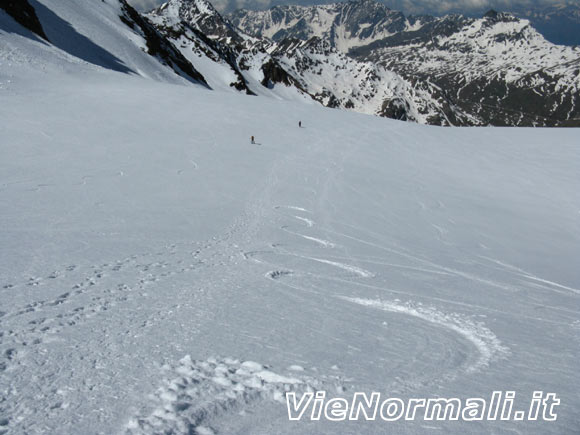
x=486 y=342
x=321 y=242
x=489 y=347
x=308 y=222
x=349 y=268
x=196 y=392
x=530 y=276
x=292 y=207
x=324 y=243
x=550 y=286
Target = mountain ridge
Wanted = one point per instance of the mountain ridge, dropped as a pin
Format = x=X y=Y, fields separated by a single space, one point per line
x=497 y=69
x=358 y=55
x=311 y=69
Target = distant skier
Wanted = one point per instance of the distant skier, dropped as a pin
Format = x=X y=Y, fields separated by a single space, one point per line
x=252 y=140
x=299 y=124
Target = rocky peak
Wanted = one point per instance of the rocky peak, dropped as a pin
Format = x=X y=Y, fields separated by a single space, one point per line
x=492 y=13
x=199 y=15
x=494 y=16
x=345 y=25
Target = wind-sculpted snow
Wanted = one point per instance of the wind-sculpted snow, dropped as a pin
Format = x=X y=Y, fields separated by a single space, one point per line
x=195 y=393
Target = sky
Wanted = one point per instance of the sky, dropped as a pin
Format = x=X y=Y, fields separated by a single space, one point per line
x=434 y=7
x=467 y=6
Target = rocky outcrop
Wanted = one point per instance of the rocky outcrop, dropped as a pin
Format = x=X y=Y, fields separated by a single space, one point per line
x=24 y=14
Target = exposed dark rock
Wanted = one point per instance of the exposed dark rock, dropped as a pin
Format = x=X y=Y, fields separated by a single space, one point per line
x=158 y=46
x=24 y=14
x=396 y=109
x=274 y=73
x=493 y=14
x=208 y=33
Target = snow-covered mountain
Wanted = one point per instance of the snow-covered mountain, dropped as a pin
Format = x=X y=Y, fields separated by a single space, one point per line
x=357 y=55
x=498 y=69
x=493 y=70
x=107 y=34
x=206 y=39
x=336 y=80
x=291 y=68
x=191 y=39
x=344 y=25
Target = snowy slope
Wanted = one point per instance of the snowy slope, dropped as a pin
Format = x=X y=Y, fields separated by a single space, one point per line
x=229 y=58
x=110 y=35
x=159 y=274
